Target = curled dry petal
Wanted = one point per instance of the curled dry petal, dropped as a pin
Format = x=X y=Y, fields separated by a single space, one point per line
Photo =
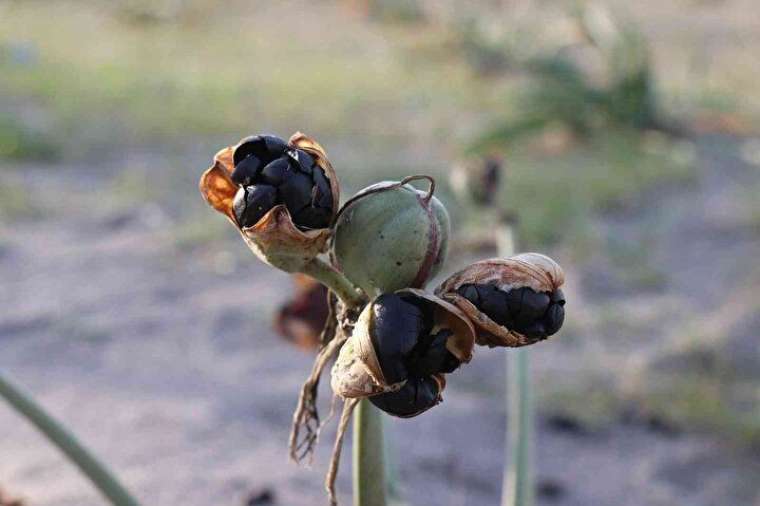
x=274 y=238
x=357 y=372
x=532 y=270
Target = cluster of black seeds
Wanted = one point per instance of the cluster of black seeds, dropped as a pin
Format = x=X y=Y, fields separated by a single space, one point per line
x=537 y=315
x=269 y=173
x=409 y=348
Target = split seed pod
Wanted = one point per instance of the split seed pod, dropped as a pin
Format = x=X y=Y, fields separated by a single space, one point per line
x=401 y=346
x=391 y=236
x=511 y=302
x=301 y=319
x=229 y=186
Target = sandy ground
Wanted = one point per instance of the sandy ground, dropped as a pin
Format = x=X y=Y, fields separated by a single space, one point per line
x=164 y=363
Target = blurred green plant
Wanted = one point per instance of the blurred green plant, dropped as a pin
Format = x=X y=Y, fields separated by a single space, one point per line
x=562 y=91
x=17 y=141
x=391 y=11
x=100 y=476
x=609 y=172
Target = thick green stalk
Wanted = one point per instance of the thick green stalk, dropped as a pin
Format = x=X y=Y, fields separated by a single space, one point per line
x=334 y=280
x=369 y=466
x=518 y=474
x=96 y=471
x=518 y=487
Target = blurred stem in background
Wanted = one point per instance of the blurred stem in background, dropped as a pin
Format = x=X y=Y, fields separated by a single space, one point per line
x=518 y=486
x=95 y=470
x=369 y=463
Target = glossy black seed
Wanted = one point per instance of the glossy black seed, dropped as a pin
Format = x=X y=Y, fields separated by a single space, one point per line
x=251 y=203
x=295 y=191
x=323 y=196
x=514 y=302
x=493 y=302
x=246 y=171
x=536 y=315
x=397 y=326
x=534 y=304
x=304 y=161
x=470 y=292
x=535 y=330
x=555 y=317
x=416 y=396
x=276 y=172
x=432 y=357
x=264 y=147
x=313 y=217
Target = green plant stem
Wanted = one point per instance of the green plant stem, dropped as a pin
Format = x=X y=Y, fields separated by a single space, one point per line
x=96 y=471
x=335 y=281
x=368 y=466
x=518 y=474
x=518 y=489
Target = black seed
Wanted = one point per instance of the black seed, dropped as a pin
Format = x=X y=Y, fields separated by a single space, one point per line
x=275 y=145
x=303 y=160
x=397 y=326
x=554 y=319
x=251 y=203
x=264 y=147
x=534 y=330
x=534 y=304
x=247 y=170
x=536 y=315
x=295 y=191
x=434 y=358
x=416 y=396
x=470 y=292
x=276 y=172
x=514 y=302
x=313 y=217
x=323 y=196
x=493 y=302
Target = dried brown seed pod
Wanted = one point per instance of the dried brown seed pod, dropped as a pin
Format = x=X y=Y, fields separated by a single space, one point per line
x=512 y=302
x=301 y=319
x=376 y=360
x=477 y=180
x=274 y=238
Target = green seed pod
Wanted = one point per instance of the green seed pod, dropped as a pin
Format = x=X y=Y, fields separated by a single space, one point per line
x=391 y=236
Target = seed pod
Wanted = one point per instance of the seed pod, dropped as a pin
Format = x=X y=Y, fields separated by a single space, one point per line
x=284 y=224
x=301 y=318
x=401 y=345
x=511 y=302
x=391 y=236
x=477 y=180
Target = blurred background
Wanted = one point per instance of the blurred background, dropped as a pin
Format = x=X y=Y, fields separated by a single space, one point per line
x=629 y=135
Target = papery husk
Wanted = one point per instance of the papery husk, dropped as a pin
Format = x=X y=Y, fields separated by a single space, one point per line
x=302 y=318
x=532 y=270
x=274 y=239
x=357 y=372
x=462 y=343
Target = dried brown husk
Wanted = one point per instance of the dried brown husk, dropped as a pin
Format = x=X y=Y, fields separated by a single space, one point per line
x=532 y=270
x=275 y=239
x=302 y=318
x=357 y=371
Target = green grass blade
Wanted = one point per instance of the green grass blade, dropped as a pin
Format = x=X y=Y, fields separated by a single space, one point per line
x=96 y=471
